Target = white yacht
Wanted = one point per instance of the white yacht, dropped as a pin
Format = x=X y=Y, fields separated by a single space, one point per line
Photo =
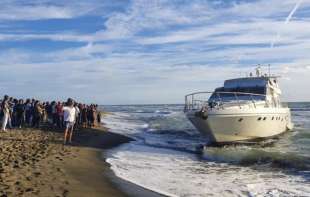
x=244 y=109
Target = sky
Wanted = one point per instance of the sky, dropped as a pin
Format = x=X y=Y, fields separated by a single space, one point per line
x=149 y=51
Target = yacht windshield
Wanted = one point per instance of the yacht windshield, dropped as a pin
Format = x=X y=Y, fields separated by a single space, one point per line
x=220 y=95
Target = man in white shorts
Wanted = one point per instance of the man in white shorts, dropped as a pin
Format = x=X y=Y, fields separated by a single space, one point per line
x=69 y=119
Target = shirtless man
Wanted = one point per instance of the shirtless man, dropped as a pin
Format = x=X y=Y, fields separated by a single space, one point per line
x=69 y=118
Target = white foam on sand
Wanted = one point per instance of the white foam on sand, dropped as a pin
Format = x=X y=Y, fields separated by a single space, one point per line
x=176 y=173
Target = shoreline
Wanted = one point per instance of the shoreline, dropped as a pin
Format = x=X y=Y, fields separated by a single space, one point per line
x=34 y=162
x=87 y=170
x=131 y=189
x=115 y=186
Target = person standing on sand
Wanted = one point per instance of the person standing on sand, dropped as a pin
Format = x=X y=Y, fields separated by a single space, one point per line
x=69 y=118
x=77 y=114
x=20 y=113
x=59 y=112
x=28 y=112
x=84 y=116
x=6 y=112
x=11 y=107
x=54 y=113
x=94 y=115
x=38 y=114
x=99 y=118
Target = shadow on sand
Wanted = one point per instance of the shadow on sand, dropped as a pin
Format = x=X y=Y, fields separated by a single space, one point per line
x=95 y=137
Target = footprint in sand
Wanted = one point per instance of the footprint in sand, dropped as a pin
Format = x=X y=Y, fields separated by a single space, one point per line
x=36 y=174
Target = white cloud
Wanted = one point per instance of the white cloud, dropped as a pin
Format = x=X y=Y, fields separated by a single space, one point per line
x=152 y=49
x=44 y=9
x=36 y=12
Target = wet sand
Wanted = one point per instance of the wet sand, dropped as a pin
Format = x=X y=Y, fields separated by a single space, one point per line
x=34 y=162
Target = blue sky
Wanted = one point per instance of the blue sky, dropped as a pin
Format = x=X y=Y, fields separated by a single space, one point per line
x=149 y=51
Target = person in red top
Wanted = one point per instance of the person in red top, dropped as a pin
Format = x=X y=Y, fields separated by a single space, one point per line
x=59 y=114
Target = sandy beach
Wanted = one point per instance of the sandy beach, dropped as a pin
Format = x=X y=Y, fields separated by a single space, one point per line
x=34 y=162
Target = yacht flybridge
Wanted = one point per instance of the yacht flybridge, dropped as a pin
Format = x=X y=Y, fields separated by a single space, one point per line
x=244 y=109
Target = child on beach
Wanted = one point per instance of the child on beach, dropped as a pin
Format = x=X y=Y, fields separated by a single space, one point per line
x=69 y=118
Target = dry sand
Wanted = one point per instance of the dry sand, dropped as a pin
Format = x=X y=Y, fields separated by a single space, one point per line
x=33 y=162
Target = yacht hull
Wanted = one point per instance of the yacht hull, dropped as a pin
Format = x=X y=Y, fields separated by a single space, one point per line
x=228 y=127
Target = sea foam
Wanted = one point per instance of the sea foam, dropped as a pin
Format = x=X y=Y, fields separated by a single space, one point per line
x=159 y=160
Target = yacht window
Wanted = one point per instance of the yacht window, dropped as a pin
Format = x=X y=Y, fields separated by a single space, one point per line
x=230 y=94
x=240 y=119
x=264 y=118
x=253 y=90
x=272 y=118
x=260 y=118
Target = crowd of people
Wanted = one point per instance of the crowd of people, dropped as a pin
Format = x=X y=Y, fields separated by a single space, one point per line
x=18 y=113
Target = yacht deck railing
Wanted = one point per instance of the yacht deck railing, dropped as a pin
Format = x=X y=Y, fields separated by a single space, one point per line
x=199 y=100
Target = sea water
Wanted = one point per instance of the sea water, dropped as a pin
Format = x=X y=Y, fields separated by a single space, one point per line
x=164 y=156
